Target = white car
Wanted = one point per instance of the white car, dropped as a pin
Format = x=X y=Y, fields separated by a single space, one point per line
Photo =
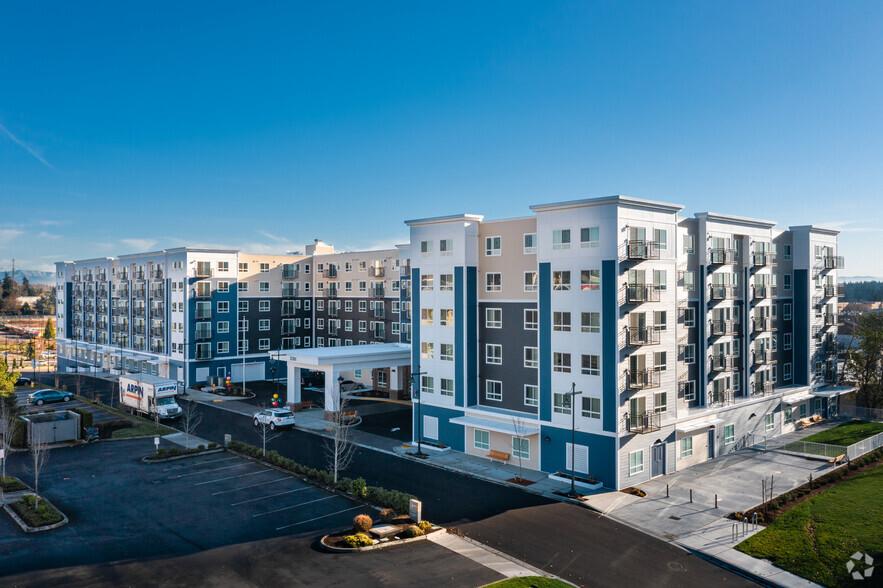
x=274 y=417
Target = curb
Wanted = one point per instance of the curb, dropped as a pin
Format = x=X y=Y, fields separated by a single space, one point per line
x=733 y=568
x=146 y=459
x=29 y=529
x=376 y=545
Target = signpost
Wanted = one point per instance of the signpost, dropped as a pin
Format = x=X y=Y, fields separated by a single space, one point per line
x=156 y=442
x=415 y=510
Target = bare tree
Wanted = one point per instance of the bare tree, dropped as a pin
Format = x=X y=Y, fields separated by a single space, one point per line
x=266 y=433
x=191 y=418
x=519 y=426
x=40 y=455
x=339 y=450
x=8 y=423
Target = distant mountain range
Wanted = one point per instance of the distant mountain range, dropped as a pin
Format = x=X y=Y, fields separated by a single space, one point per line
x=34 y=276
x=859 y=279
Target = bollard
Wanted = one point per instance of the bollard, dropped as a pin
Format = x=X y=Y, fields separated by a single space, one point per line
x=735 y=531
x=666 y=491
x=715 y=501
x=754 y=521
x=691 y=496
x=744 y=527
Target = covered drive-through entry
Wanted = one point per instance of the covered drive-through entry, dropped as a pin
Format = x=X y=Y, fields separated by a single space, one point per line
x=338 y=362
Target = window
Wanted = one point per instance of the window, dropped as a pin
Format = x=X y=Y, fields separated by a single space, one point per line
x=446 y=387
x=348 y=306
x=445 y=246
x=223 y=326
x=686 y=447
x=243 y=325
x=660 y=236
x=729 y=433
x=660 y=280
x=492 y=246
x=531 y=319
x=426 y=248
x=591 y=322
x=786 y=372
x=493 y=390
x=348 y=325
x=348 y=287
x=690 y=317
x=689 y=244
x=591 y=407
x=223 y=286
x=786 y=341
x=493 y=282
x=636 y=462
x=446 y=317
x=223 y=266
x=425 y=316
x=265 y=267
x=660 y=402
x=243 y=267
x=493 y=318
x=787 y=415
x=660 y=320
x=427 y=350
x=786 y=282
x=690 y=391
x=561 y=321
x=589 y=237
x=530 y=243
x=363 y=306
x=561 y=362
x=530 y=281
x=243 y=306
x=223 y=307
x=363 y=327
x=243 y=286
x=531 y=357
x=263 y=344
x=446 y=282
x=482 y=439
x=521 y=447
x=561 y=280
x=659 y=361
x=242 y=345
x=223 y=346
x=264 y=325
x=363 y=266
x=264 y=306
x=561 y=239
x=493 y=354
x=427 y=385
x=446 y=352
x=560 y=403
x=689 y=281
x=531 y=395
x=770 y=422
x=590 y=279
x=363 y=285
x=591 y=365
x=786 y=251
x=786 y=311
x=426 y=283
x=690 y=353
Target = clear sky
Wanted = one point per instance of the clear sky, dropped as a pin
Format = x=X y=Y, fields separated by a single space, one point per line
x=127 y=126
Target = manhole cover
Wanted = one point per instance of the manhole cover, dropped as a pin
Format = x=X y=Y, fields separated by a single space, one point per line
x=156 y=481
x=675 y=566
x=674 y=518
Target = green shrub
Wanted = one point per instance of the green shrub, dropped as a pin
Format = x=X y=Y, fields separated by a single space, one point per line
x=12 y=484
x=343 y=485
x=425 y=526
x=358 y=540
x=161 y=452
x=358 y=487
x=412 y=531
x=18 y=434
x=387 y=515
x=212 y=445
x=174 y=451
x=86 y=417
x=362 y=523
x=201 y=448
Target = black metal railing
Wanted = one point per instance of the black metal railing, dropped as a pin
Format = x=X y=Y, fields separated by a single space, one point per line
x=642 y=379
x=764 y=357
x=762 y=388
x=642 y=422
x=637 y=336
x=721 y=256
x=721 y=292
x=720 y=328
x=638 y=293
x=720 y=397
x=721 y=362
x=833 y=262
x=763 y=258
x=640 y=250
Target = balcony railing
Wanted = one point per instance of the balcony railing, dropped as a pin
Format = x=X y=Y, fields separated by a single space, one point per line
x=158 y=291
x=830 y=348
x=832 y=262
x=203 y=271
x=332 y=290
x=379 y=310
x=288 y=330
x=721 y=362
x=157 y=347
x=139 y=311
x=157 y=308
x=721 y=256
x=763 y=324
x=203 y=352
x=157 y=273
x=405 y=270
x=637 y=336
x=120 y=311
x=203 y=292
x=288 y=310
x=289 y=272
x=379 y=331
x=830 y=376
x=764 y=357
x=643 y=422
x=720 y=397
x=289 y=292
x=830 y=319
x=721 y=328
x=333 y=309
x=140 y=293
x=122 y=293
x=639 y=293
x=203 y=334
x=377 y=290
x=203 y=313
x=721 y=292
x=376 y=271
x=331 y=271
x=763 y=258
x=762 y=388
x=832 y=291
x=640 y=250
x=761 y=292
x=157 y=331
x=139 y=329
x=642 y=379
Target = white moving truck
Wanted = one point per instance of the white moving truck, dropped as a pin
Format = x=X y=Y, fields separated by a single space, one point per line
x=150 y=395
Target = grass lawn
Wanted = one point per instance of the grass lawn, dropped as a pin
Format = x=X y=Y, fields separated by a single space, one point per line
x=141 y=427
x=847 y=433
x=529 y=582
x=816 y=538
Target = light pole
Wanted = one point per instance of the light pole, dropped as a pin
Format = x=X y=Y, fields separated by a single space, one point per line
x=415 y=397
x=572 y=396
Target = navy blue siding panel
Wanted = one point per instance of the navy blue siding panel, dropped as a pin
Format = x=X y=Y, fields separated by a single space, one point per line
x=800 y=313
x=602 y=453
x=545 y=316
x=460 y=344
x=610 y=356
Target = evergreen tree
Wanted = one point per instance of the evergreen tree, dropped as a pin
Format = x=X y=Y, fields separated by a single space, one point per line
x=26 y=288
x=31 y=351
x=26 y=309
x=8 y=285
x=49 y=331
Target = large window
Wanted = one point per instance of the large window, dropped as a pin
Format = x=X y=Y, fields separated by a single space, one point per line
x=561 y=239
x=531 y=357
x=445 y=246
x=446 y=387
x=426 y=316
x=427 y=385
x=493 y=390
x=531 y=319
x=530 y=281
x=492 y=246
x=636 y=462
x=560 y=403
x=426 y=283
x=482 y=439
x=591 y=365
x=446 y=317
x=493 y=354
x=493 y=282
x=530 y=243
x=427 y=350
x=493 y=318
x=446 y=352
x=591 y=322
x=591 y=407
x=589 y=237
x=686 y=447
x=561 y=362
x=561 y=321
x=531 y=395
x=729 y=433
x=446 y=282
x=590 y=279
x=770 y=422
x=561 y=280
x=521 y=447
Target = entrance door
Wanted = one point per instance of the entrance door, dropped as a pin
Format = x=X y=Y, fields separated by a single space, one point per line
x=711 y=443
x=657 y=462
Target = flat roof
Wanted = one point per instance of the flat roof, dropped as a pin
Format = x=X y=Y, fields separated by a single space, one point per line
x=348 y=355
x=617 y=200
x=814 y=229
x=445 y=219
x=736 y=220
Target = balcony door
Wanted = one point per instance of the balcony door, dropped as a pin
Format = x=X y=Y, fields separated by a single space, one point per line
x=636 y=278
x=637 y=367
x=637 y=408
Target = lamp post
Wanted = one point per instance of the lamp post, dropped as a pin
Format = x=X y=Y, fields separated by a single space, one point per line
x=415 y=397
x=572 y=395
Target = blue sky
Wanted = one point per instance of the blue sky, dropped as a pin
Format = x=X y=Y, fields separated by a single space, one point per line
x=138 y=126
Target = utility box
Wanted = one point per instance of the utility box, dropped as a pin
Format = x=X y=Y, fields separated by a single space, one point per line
x=52 y=427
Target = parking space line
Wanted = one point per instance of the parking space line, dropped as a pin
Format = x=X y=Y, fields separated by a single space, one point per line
x=196 y=465
x=317 y=518
x=252 y=486
x=232 y=477
x=260 y=514
x=238 y=465
x=271 y=496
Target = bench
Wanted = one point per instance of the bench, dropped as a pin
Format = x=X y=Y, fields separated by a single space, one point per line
x=804 y=422
x=838 y=459
x=817 y=418
x=299 y=406
x=498 y=456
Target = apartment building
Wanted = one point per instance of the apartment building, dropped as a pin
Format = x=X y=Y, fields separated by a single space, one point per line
x=674 y=339
x=191 y=314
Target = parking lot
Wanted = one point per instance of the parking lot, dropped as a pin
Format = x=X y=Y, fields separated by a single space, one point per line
x=98 y=415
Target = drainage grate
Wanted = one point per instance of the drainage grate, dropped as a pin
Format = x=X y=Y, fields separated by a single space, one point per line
x=676 y=566
x=674 y=518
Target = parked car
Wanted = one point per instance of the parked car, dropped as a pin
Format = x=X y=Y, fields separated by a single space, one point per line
x=23 y=382
x=42 y=396
x=274 y=417
x=348 y=385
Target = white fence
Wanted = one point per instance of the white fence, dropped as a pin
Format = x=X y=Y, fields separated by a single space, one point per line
x=864 y=446
x=824 y=450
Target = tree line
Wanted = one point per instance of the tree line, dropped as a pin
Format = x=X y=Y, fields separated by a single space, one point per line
x=863 y=291
x=12 y=290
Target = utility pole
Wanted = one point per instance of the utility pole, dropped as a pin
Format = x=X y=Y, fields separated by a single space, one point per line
x=413 y=383
x=573 y=394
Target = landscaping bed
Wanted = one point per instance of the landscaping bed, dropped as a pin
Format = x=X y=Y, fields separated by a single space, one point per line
x=12 y=484
x=36 y=514
x=395 y=530
x=162 y=454
x=529 y=582
x=815 y=531
x=846 y=434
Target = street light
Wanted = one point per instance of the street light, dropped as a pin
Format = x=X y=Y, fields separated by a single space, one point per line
x=415 y=397
x=572 y=395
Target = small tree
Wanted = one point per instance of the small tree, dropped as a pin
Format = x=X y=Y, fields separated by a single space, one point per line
x=49 y=330
x=31 y=350
x=191 y=418
x=39 y=455
x=865 y=364
x=339 y=450
x=519 y=427
x=265 y=432
x=8 y=420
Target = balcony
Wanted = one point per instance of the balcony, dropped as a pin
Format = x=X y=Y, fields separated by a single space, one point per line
x=761 y=292
x=721 y=328
x=203 y=270
x=332 y=290
x=290 y=291
x=830 y=376
x=764 y=357
x=138 y=275
x=721 y=362
x=832 y=262
x=139 y=330
x=203 y=334
x=638 y=250
x=333 y=309
x=140 y=293
x=203 y=352
x=719 y=256
x=122 y=293
x=120 y=311
x=379 y=310
x=376 y=271
x=157 y=347
x=157 y=308
x=157 y=331
x=139 y=311
x=762 y=388
x=102 y=291
x=203 y=313
x=124 y=274
x=204 y=292
x=157 y=273
x=288 y=329
x=379 y=331
x=405 y=270
x=638 y=336
x=759 y=325
x=642 y=379
x=289 y=272
x=834 y=291
x=75 y=278
x=331 y=271
x=763 y=258
x=644 y=422
x=377 y=291
x=721 y=293
x=830 y=348
x=720 y=397
x=158 y=291
x=640 y=293
x=288 y=309
x=830 y=319
x=332 y=328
